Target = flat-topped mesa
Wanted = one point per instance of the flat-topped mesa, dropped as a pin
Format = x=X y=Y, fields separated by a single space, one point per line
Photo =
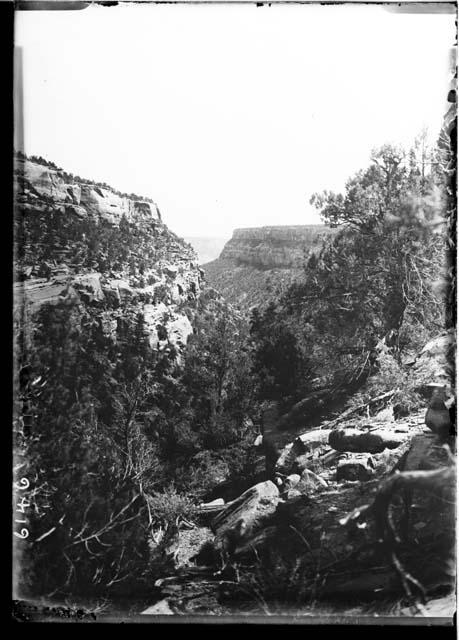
x=275 y=247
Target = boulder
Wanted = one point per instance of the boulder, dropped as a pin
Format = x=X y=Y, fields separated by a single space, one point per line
x=314 y=439
x=358 y=466
x=435 y=363
x=311 y=482
x=292 y=480
x=295 y=455
x=385 y=415
x=286 y=460
x=258 y=441
x=294 y=493
x=424 y=454
x=386 y=461
x=290 y=483
x=255 y=507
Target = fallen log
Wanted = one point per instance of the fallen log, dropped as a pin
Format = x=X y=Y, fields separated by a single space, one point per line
x=357 y=441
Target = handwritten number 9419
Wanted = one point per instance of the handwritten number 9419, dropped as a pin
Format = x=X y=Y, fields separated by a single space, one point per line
x=21 y=506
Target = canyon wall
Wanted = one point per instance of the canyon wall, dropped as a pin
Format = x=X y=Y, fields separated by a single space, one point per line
x=81 y=243
x=275 y=247
x=258 y=263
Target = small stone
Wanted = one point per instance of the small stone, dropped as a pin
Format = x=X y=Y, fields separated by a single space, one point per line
x=258 y=441
x=292 y=480
x=356 y=467
x=386 y=415
x=293 y=493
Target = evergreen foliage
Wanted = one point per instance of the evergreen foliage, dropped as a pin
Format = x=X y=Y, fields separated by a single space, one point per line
x=377 y=279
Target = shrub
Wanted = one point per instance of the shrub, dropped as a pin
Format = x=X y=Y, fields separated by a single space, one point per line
x=390 y=375
x=167 y=506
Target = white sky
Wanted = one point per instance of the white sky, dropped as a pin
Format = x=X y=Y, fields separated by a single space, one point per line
x=228 y=115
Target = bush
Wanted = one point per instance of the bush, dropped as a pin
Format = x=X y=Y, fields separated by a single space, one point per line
x=390 y=375
x=167 y=506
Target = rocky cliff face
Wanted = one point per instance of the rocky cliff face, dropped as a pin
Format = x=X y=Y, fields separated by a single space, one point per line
x=84 y=243
x=35 y=182
x=258 y=263
x=275 y=247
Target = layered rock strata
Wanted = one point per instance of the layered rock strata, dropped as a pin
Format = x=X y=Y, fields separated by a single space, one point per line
x=275 y=247
x=81 y=243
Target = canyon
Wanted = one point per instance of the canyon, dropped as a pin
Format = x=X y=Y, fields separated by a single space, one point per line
x=110 y=308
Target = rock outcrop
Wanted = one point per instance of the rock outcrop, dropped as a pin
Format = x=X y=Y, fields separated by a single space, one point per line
x=275 y=247
x=85 y=244
x=434 y=365
x=36 y=183
x=255 y=506
x=323 y=525
x=257 y=263
x=330 y=511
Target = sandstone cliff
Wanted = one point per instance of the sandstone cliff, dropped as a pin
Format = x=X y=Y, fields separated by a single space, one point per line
x=257 y=263
x=36 y=183
x=275 y=247
x=84 y=243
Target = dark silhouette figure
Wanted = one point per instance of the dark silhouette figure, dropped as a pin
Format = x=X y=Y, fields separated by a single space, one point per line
x=438 y=417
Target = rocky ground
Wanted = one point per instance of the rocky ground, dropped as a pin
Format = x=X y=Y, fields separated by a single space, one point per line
x=313 y=518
